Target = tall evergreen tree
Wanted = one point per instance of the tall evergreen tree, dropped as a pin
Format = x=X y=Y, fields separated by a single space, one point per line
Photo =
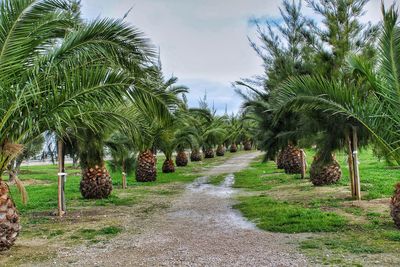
x=343 y=32
x=286 y=51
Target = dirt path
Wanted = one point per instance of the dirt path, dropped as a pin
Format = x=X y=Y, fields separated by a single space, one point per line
x=200 y=229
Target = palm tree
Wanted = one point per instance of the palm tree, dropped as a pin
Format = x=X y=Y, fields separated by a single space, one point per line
x=277 y=137
x=209 y=128
x=234 y=130
x=286 y=51
x=96 y=180
x=371 y=102
x=185 y=140
x=336 y=127
x=161 y=123
x=308 y=49
x=174 y=138
x=122 y=150
x=50 y=65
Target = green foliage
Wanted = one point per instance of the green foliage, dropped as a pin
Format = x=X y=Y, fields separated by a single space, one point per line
x=123 y=153
x=343 y=32
x=300 y=47
x=71 y=72
x=355 y=103
x=286 y=53
x=162 y=128
x=208 y=128
x=90 y=148
x=32 y=148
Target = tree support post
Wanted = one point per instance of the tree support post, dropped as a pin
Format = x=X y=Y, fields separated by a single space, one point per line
x=357 y=184
x=351 y=164
x=61 y=179
x=124 y=186
x=303 y=164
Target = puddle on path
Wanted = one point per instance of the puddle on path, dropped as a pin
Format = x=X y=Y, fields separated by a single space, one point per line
x=209 y=203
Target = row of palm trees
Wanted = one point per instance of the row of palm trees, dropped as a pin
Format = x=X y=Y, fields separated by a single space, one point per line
x=200 y=129
x=73 y=78
x=93 y=85
x=336 y=87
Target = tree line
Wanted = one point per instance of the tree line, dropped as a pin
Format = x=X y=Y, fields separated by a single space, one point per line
x=332 y=84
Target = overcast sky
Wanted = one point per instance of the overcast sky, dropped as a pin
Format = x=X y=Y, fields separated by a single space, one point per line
x=203 y=42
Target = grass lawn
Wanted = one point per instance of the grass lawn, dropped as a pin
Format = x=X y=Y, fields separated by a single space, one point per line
x=89 y=221
x=41 y=185
x=343 y=232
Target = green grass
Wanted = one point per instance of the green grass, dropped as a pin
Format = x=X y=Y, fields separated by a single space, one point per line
x=377 y=178
x=217 y=179
x=41 y=185
x=276 y=216
x=259 y=178
x=95 y=235
x=345 y=230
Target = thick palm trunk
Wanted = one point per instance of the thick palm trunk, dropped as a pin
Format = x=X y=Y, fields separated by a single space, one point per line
x=220 y=151
x=96 y=182
x=395 y=206
x=247 y=145
x=146 y=167
x=195 y=155
x=181 y=159
x=233 y=148
x=168 y=166
x=280 y=159
x=325 y=172
x=292 y=161
x=9 y=219
x=209 y=153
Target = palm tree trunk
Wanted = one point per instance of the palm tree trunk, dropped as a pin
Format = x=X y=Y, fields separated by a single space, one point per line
x=9 y=219
x=146 y=170
x=168 y=166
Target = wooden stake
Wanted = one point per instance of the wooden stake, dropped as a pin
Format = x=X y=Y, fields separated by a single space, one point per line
x=124 y=180
x=356 y=170
x=61 y=179
x=351 y=164
x=124 y=186
x=303 y=164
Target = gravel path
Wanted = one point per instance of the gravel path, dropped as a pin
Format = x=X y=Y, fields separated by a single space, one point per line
x=200 y=229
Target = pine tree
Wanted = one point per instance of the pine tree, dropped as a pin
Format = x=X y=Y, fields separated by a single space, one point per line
x=286 y=52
